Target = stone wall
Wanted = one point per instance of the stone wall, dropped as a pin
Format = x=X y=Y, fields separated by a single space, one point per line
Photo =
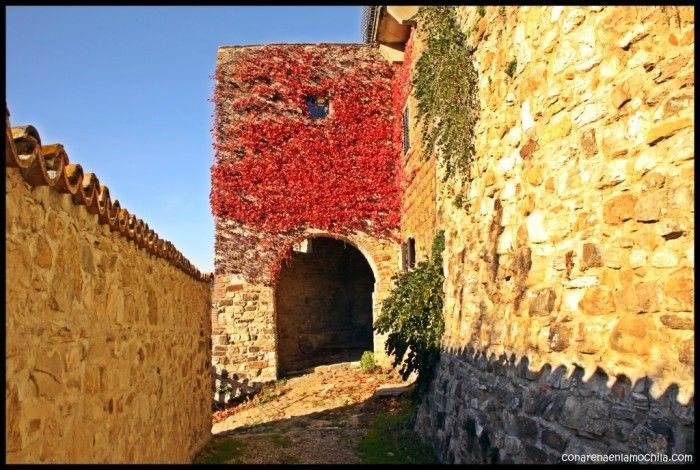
x=418 y=205
x=575 y=246
x=244 y=314
x=243 y=329
x=499 y=410
x=108 y=344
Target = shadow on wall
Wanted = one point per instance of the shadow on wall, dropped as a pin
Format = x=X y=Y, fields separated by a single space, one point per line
x=488 y=409
x=228 y=389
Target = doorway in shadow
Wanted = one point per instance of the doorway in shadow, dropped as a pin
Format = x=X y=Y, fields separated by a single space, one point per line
x=323 y=306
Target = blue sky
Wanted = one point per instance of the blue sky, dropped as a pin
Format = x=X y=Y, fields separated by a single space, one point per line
x=126 y=90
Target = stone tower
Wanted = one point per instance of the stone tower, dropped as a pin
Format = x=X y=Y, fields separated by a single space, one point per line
x=306 y=195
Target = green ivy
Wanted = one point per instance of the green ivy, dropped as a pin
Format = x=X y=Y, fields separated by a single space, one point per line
x=445 y=88
x=412 y=317
x=367 y=363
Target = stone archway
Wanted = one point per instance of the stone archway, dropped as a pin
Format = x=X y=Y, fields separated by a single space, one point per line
x=383 y=256
x=324 y=305
x=245 y=338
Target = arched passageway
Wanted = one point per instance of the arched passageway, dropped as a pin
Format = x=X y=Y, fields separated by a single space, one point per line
x=323 y=306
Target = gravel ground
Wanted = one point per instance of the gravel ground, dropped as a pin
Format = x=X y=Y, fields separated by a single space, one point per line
x=318 y=417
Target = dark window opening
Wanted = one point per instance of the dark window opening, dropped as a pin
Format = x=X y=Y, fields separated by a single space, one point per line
x=317 y=106
x=406 y=136
x=408 y=254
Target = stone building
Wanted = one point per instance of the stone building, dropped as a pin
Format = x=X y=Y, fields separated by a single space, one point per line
x=569 y=265
x=304 y=255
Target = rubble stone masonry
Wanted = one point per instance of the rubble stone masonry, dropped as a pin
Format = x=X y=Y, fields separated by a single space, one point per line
x=569 y=272
x=108 y=345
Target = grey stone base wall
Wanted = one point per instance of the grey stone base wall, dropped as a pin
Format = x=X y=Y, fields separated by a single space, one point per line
x=489 y=410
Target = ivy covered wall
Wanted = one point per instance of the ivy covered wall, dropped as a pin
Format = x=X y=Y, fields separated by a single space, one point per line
x=279 y=171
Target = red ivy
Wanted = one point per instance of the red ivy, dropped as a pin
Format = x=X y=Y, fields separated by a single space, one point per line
x=277 y=172
x=401 y=88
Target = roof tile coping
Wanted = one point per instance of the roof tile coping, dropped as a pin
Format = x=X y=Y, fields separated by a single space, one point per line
x=48 y=165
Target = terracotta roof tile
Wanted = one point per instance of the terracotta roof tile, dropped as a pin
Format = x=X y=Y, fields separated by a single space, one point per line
x=48 y=165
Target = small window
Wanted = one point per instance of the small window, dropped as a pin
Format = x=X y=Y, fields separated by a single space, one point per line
x=317 y=106
x=406 y=136
x=408 y=254
x=411 y=253
x=404 y=256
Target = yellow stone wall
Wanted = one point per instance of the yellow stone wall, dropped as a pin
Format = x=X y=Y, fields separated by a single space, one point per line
x=108 y=346
x=576 y=244
x=418 y=202
x=418 y=205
